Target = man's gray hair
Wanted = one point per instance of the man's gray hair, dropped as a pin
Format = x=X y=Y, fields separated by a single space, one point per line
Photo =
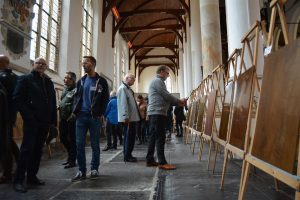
x=162 y=68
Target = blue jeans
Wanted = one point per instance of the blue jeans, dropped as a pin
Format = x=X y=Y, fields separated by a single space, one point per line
x=157 y=138
x=86 y=122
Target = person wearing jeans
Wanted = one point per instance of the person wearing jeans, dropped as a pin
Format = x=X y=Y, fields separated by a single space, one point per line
x=90 y=102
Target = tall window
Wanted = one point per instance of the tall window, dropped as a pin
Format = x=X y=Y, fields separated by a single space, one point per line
x=45 y=31
x=87 y=32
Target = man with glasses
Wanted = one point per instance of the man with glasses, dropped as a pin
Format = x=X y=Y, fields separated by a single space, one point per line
x=159 y=102
x=36 y=100
x=90 y=102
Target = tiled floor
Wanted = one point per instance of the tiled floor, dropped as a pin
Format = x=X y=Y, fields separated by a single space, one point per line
x=119 y=180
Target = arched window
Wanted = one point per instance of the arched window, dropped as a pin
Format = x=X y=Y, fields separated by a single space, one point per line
x=45 y=31
x=87 y=29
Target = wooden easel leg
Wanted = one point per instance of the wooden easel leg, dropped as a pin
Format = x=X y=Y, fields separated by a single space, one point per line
x=200 y=149
x=215 y=158
x=224 y=169
x=297 y=195
x=194 y=143
x=209 y=152
x=244 y=181
x=276 y=184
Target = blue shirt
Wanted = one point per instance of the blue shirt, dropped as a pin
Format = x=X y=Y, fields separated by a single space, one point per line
x=89 y=85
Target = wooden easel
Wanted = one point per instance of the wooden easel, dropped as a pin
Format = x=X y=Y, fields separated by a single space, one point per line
x=238 y=131
x=220 y=137
x=284 y=65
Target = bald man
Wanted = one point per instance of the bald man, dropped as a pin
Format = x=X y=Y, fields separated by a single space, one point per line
x=35 y=99
x=128 y=115
x=8 y=80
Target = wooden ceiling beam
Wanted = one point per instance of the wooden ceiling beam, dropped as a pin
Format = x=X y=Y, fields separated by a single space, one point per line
x=155 y=56
x=173 y=46
x=152 y=28
x=150 y=11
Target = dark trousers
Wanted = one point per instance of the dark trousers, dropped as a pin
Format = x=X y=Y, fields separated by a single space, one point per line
x=67 y=131
x=157 y=138
x=114 y=131
x=11 y=152
x=141 y=130
x=179 y=128
x=34 y=137
x=129 y=131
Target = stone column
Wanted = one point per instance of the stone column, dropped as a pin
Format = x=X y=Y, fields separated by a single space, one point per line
x=211 y=35
x=181 y=74
x=240 y=16
x=189 y=80
x=196 y=44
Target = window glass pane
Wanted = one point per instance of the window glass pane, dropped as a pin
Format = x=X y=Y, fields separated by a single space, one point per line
x=53 y=33
x=44 y=30
x=35 y=19
x=46 y=6
x=52 y=57
x=43 y=48
x=33 y=45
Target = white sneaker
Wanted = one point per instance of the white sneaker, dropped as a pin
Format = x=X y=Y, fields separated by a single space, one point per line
x=94 y=174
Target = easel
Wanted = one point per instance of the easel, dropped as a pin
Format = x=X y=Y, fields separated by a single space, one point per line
x=220 y=136
x=244 y=91
x=284 y=65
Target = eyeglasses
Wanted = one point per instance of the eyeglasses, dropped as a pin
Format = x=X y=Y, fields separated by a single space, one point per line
x=40 y=63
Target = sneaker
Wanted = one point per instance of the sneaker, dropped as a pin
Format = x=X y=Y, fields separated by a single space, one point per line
x=167 y=167
x=79 y=177
x=94 y=174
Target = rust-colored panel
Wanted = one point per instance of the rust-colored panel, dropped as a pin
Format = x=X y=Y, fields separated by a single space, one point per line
x=241 y=103
x=278 y=120
x=210 y=112
x=200 y=113
x=225 y=113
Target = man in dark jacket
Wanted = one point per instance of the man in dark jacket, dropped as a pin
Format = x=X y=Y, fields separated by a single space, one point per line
x=35 y=98
x=8 y=80
x=90 y=103
x=66 y=124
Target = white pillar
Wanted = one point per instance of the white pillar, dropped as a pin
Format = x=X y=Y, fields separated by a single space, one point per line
x=189 y=80
x=240 y=15
x=181 y=74
x=196 y=43
x=211 y=35
x=71 y=31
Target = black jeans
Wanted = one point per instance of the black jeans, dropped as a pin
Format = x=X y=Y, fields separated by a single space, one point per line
x=112 y=130
x=157 y=138
x=67 y=131
x=34 y=137
x=179 y=128
x=11 y=151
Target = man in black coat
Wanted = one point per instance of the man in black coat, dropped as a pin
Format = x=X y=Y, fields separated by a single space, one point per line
x=35 y=99
x=8 y=80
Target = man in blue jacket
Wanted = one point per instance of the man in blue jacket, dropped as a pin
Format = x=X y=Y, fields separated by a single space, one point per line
x=36 y=100
x=112 y=127
x=90 y=102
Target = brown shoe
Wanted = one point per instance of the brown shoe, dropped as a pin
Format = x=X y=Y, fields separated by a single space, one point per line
x=152 y=164
x=167 y=167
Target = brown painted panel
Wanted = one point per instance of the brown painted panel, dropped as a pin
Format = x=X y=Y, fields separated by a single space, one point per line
x=210 y=112
x=225 y=112
x=201 y=106
x=241 y=104
x=278 y=119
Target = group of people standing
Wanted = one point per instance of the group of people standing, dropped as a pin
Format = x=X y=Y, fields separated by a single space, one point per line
x=81 y=108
